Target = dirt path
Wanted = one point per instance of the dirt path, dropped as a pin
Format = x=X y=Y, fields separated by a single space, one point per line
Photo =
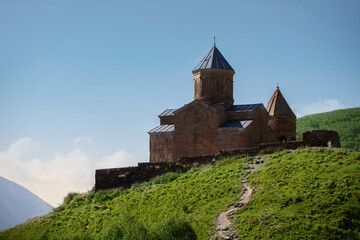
x=223 y=221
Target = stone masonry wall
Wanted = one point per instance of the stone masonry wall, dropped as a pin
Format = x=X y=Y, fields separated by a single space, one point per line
x=125 y=177
x=161 y=147
x=321 y=138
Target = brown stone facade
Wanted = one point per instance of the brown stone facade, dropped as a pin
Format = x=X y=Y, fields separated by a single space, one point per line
x=199 y=129
x=211 y=122
x=321 y=138
x=161 y=147
x=282 y=119
x=257 y=132
x=214 y=86
x=283 y=127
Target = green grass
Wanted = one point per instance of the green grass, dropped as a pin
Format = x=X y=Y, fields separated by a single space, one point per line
x=345 y=121
x=305 y=194
x=150 y=209
x=309 y=193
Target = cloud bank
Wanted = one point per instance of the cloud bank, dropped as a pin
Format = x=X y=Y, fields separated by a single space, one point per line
x=52 y=179
x=317 y=107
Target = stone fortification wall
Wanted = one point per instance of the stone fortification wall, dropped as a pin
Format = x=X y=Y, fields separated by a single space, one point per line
x=245 y=151
x=125 y=177
x=321 y=138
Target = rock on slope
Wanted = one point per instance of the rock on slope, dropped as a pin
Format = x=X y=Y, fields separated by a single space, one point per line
x=18 y=204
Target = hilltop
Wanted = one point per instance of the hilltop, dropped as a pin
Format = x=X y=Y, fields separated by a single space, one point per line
x=345 y=121
x=307 y=193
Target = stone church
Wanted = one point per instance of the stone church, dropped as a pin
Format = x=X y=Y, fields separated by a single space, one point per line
x=211 y=122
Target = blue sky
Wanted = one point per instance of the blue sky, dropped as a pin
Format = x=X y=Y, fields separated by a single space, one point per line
x=82 y=82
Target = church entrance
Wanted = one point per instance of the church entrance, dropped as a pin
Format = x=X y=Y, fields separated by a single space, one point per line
x=282 y=138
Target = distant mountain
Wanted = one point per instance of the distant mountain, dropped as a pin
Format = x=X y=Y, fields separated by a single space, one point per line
x=345 y=121
x=18 y=204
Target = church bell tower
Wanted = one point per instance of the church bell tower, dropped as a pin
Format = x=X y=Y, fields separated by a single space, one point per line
x=213 y=79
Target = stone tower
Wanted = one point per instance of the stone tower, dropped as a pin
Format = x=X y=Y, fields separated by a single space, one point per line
x=213 y=79
x=282 y=119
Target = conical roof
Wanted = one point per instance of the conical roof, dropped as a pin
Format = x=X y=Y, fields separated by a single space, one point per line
x=278 y=105
x=213 y=59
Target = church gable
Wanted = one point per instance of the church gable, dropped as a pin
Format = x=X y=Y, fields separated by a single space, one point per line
x=196 y=112
x=196 y=129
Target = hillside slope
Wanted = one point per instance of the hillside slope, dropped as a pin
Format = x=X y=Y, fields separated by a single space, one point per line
x=307 y=193
x=18 y=204
x=196 y=196
x=345 y=121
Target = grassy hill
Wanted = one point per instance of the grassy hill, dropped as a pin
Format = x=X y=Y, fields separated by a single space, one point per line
x=305 y=194
x=311 y=193
x=345 y=121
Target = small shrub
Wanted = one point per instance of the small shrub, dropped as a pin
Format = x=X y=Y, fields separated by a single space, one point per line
x=166 y=178
x=174 y=228
x=43 y=236
x=59 y=208
x=69 y=197
x=76 y=236
x=105 y=195
x=112 y=232
x=90 y=195
x=126 y=227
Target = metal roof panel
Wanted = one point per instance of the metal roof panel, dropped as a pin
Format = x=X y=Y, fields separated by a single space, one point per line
x=236 y=124
x=167 y=112
x=243 y=107
x=163 y=128
x=213 y=59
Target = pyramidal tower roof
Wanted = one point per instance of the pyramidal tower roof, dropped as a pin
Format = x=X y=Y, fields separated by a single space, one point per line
x=278 y=105
x=213 y=59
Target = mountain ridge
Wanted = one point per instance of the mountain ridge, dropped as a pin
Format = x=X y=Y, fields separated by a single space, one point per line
x=18 y=204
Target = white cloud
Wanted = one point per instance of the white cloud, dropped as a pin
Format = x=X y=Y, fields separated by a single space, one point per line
x=119 y=159
x=317 y=107
x=82 y=139
x=53 y=179
x=22 y=146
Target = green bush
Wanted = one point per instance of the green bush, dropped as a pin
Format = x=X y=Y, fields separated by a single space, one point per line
x=90 y=195
x=174 y=228
x=166 y=178
x=127 y=227
x=69 y=197
x=106 y=195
